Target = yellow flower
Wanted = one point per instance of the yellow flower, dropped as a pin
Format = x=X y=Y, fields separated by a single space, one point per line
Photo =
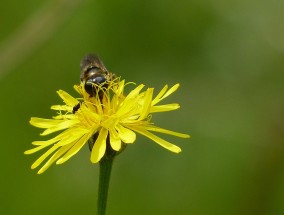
x=114 y=118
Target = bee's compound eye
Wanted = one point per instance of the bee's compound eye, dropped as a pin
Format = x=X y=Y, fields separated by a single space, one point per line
x=99 y=80
x=89 y=87
x=96 y=80
x=94 y=83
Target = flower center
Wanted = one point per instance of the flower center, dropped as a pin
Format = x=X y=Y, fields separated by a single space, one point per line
x=109 y=122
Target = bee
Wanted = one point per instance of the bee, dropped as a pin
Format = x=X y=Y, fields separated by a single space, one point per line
x=95 y=78
x=94 y=75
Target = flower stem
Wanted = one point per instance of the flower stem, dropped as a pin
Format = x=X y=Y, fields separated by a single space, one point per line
x=105 y=172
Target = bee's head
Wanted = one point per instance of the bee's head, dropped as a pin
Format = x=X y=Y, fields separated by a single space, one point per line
x=94 y=75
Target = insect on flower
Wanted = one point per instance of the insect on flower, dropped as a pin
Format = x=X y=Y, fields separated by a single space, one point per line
x=104 y=116
x=94 y=74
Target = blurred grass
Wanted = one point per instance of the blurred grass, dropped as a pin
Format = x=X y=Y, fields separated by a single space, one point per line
x=228 y=57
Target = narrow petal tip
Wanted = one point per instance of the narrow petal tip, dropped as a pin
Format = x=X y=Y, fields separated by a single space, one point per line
x=186 y=136
x=174 y=149
x=40 y=171
x=60 y=161
x=27 y=152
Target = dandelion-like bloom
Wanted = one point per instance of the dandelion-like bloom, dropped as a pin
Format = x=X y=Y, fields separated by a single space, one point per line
x=113 y=119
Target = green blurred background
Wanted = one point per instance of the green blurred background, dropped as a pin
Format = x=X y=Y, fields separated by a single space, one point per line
x=228 y=57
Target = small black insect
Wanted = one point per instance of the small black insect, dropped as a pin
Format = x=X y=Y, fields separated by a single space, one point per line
x=76 y=108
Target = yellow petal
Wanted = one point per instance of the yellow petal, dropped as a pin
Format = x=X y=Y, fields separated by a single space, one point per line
x=43 y=144
x=160 y=141
x=72 y=132
x=62 y=139
x=75 y=148
x=126 y=108
x=60 y=126
x=120 y=88
x=31 y=151
x=165 y=131
x=74 y=136
x=54 y=157
x=125 y=134
x=44 y=156
x=44 y=123
x=68 y=99
x=115 y=141
x=77 y=88
x=62 y=107
x=171 y=90
x=48 y=142
x=65 y=116
x=88 y=110
x=99 y=147
x=160 y=94
x=164 y=108
x=147 y=103
x=134 y=92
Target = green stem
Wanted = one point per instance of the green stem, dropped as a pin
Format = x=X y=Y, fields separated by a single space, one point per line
x=105 y=172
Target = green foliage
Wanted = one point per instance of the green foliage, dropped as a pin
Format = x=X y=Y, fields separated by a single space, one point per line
x=228 y=58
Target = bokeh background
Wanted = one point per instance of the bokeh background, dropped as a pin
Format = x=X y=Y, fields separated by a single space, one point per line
x=228 y=57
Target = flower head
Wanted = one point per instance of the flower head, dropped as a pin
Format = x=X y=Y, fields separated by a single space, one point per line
x=113 y=119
